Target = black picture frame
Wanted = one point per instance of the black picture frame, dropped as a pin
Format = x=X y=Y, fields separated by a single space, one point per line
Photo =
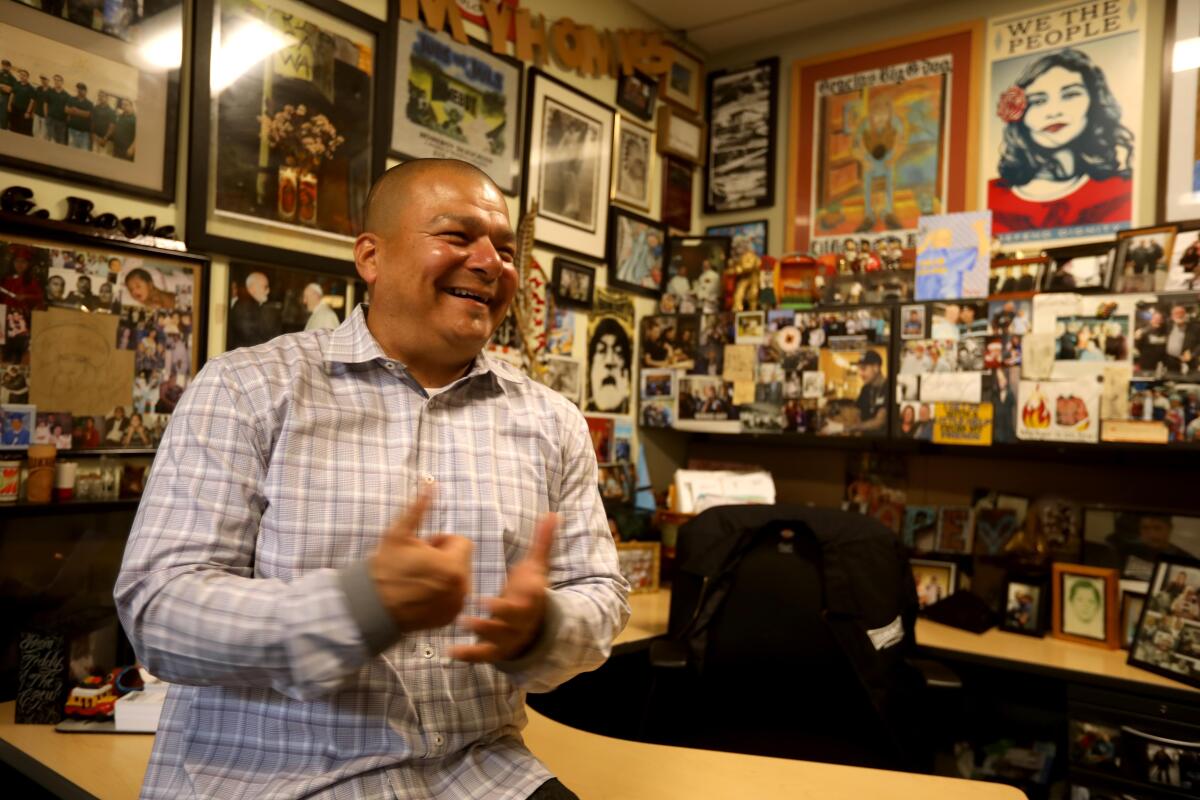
x=636 y=94
x=677 y=188
x=561 y=299
x=615 y=215
x=738 y=130
x=109 y=46
x=1061 y=255
x=509 y=184
x=199 y=235
x=1183 y=671
x=285 y=310
x=1009 y=619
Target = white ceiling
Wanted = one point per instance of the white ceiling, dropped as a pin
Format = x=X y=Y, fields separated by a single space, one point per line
x=719 y=25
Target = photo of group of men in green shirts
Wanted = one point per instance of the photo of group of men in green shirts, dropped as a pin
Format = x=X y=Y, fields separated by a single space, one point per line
x=49 y=112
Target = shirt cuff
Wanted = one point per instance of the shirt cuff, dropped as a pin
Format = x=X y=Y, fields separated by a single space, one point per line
x=378 y=629
x=541 y=646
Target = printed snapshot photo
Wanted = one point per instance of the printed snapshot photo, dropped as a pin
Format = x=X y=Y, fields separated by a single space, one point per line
x=17 y=426
x=267 y=301
x=1163 y=412
x=1068 y=272
x=1167 y=640
x=1166 y=338
x=565 y=376
x=1183 y=271
x=636 y=94
x=1016 y=277
x=1085 y=604
x=935 y=580
x=1023 y=608
x=669 y=341
x=695 y=266
x=706 y=399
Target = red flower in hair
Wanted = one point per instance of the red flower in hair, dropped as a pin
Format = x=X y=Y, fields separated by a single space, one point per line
x=1012 y=104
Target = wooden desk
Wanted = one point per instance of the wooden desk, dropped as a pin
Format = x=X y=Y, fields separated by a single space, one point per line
x=110 y=767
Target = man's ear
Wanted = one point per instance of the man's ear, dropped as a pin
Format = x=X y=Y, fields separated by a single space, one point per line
x=366 y=257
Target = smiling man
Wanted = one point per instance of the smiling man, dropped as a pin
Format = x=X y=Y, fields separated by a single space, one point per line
x=358 y=548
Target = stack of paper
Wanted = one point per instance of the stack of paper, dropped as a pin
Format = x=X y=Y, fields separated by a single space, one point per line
x=700 y=490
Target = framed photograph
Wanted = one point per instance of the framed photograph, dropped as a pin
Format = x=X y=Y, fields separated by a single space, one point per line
x=871 y=149
x=1085 y=604
x=694 y=268
x=680 y=135
x=677 y=195
x=99 y=329
x=684 y=82
x=636 y=245
x=95 y=99
x=1132 y=604
x=1179 y=171
x=1024 y=608
x=268 y=301
x=935 y=580
x=636 y=93
x=1131 y=540
x=455 y=100
x=1016 y=278
x=567 y=167
x=1088 y=266
x=573 y=284
x=17 y=425
x=633 y=161
x=616 y=482
x=639 y=565
x=740 y=167
x=1167 y=639
x=1142 y=256
x=1174 y=319
x=744 y=236
x=1183 y=271
x=283 y=149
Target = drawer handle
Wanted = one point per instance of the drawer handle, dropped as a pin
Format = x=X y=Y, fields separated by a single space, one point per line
x=1159 y=739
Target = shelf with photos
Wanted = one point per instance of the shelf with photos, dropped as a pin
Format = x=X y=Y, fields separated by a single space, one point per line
x=1089 y=345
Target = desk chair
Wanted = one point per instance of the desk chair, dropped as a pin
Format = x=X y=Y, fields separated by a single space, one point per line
x=790 y=633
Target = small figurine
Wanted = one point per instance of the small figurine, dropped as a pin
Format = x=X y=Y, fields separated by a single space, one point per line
x=747 y=271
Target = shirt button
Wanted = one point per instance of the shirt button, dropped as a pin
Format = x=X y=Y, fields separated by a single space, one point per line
x=438 y=739
x=389 y=364
x=427 y=650
x=428 y=478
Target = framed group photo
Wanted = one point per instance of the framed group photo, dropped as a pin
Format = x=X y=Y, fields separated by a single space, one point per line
x=739 y=170
x=283 y=148
x=567 y=165
x=455 y=100
x=1167 y=637
x=96 y=104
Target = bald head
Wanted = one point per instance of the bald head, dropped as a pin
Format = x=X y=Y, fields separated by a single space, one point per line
x=387 y=198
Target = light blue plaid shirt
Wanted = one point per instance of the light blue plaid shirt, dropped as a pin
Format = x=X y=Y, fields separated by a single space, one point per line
x=244 y=579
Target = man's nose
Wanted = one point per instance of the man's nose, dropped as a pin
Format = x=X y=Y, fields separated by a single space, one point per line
x=485 y=260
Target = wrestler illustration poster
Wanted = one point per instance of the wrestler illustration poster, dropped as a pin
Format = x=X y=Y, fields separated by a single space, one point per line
x=610 y=353
x=1062 y=119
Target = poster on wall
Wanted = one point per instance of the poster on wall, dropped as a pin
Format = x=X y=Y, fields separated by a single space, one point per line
x=739 y=172
x=610 y=353
x=1062 y=121
x=879 y=140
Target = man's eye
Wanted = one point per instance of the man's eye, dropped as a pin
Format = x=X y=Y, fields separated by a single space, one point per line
x=457 y=236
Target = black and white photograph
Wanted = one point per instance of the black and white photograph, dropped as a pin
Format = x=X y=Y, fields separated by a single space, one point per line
x=564 y=375
x=1085 y=604
x=609 y=364
x=568 y=162
x=636 y=93
x=573 y=284
x=265 y=302
x=739 y=170
x=633 y=163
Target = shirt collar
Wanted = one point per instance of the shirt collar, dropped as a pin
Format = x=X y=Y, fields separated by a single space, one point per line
x=352 y=343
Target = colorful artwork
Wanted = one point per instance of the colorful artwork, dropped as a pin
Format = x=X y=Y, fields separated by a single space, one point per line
x=953 y=256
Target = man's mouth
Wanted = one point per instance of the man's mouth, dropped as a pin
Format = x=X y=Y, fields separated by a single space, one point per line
x=466 y=294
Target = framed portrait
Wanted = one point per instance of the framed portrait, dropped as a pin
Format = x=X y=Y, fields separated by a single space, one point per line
x=1024 y=607
x=95 y=97
x=574 y=284
x=680 y=135
x=456 y=100
x=17 y=424
x=1141 y=259
x=636 y=93
x=268 y=301
x=1085 y=604
x=1167 y=638
x=677 y=195
x=98 y=329
x=636 y=247
x=935 y=580
x=567 y=168
x=283 y=148
x=639 y=565
x=744 y=235
x=633 y=161
x=739 y=171
x=1132 y=604
x=683 y=84
x=1179 y=171
x=870 y=153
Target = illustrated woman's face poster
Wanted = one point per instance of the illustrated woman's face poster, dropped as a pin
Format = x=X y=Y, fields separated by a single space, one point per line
x=1063 y=121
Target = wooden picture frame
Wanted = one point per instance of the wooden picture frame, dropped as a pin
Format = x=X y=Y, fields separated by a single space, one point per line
x=567 y=165
x=636 y=94
x=44 y=44
x=636 y=253
x=639 y=564
x=435 y=77
x=962 y=42
x=1074 y=591
x=680 y=135
x=1128 y=273
x=633 y=164
x=248 y=197
x=1165 y=642
x=677 y=195
x=566 y=291
x=1019 y=616
x=683 y=84
x=739 y=172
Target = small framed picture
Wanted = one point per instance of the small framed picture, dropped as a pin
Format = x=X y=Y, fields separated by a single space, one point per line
x=1167 y=637
x=633 y=158
x=935 y=580
x=573 y=284
x=677 y=195
x=751 y=327
x=912 y=322
x=683 y=84
x=919 y=531
x=680 y=135
x=616 y=482
x=636 y=93
x=1132 y=604
x=745 y=236
x=639 y=564
x=17 y=423
x=1024 y=608
x=1085 y=604
x=1141 y=260
x=636 y=245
